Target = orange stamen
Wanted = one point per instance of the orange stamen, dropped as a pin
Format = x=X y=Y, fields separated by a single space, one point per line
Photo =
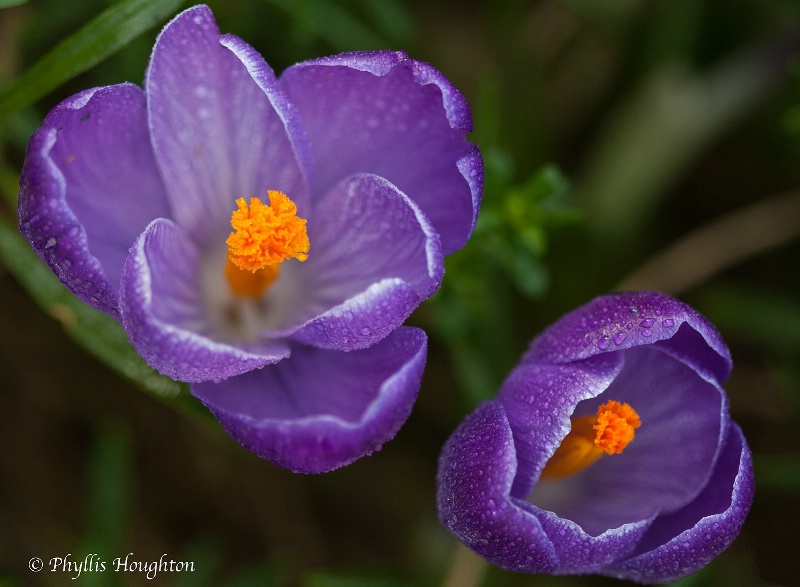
x=250 y=284
x=615 y=425
x=263 y=237
x=607 y=432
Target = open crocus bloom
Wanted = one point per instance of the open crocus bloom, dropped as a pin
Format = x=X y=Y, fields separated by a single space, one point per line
x=263 y=238
x=608 y=450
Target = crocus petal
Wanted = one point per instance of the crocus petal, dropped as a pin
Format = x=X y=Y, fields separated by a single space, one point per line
x=374 y=257
x=669 y=460
x=320 y=410
x=687 y=540
x=220 y=126
x=625 y=320
x=89 y=187
x=476 y=470
x=164 y=316
x=539 y=401
x=363 y=319
x=579 y=552
x=383 y=113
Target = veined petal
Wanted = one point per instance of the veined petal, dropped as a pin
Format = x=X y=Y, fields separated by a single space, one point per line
x=383 y=113
x=374 y=257
x=476 y=469
x=221 y=128
x=685 y=541
x=89 y=187
x=625 y=320
x=164 y=316
x=319 y=409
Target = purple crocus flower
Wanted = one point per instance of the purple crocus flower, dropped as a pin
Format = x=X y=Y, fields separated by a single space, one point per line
x=263 y=238
x=609 y=449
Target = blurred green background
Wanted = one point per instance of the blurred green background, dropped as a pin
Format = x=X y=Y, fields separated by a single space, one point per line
x=637 y=144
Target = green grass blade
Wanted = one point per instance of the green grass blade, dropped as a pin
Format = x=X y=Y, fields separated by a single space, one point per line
x=103 y=36
x=101 y=335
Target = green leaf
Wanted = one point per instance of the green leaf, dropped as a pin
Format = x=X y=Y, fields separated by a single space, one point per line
x=103 y=36
x=99 y=334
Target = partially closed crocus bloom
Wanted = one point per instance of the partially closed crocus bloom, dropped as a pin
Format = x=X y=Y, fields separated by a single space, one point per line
x=608 y=450
x=263 y=238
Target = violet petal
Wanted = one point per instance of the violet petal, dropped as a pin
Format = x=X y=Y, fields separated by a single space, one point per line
x=539 y=400
x=320 y=409
x=89 y=187
x=629 y=319
x=383 y=113
x=374 y=257
x=164 y=317
x=579 y=552
x=687 y=540
x=221 y=128
x=476 y=469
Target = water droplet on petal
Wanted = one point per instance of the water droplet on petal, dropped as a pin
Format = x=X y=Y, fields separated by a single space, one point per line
x=619 y=338
x=668 y=323
x=603 y=342
x=647 y=323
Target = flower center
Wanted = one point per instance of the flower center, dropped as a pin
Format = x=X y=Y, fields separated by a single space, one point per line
x=607 y=432
x=262 y=238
